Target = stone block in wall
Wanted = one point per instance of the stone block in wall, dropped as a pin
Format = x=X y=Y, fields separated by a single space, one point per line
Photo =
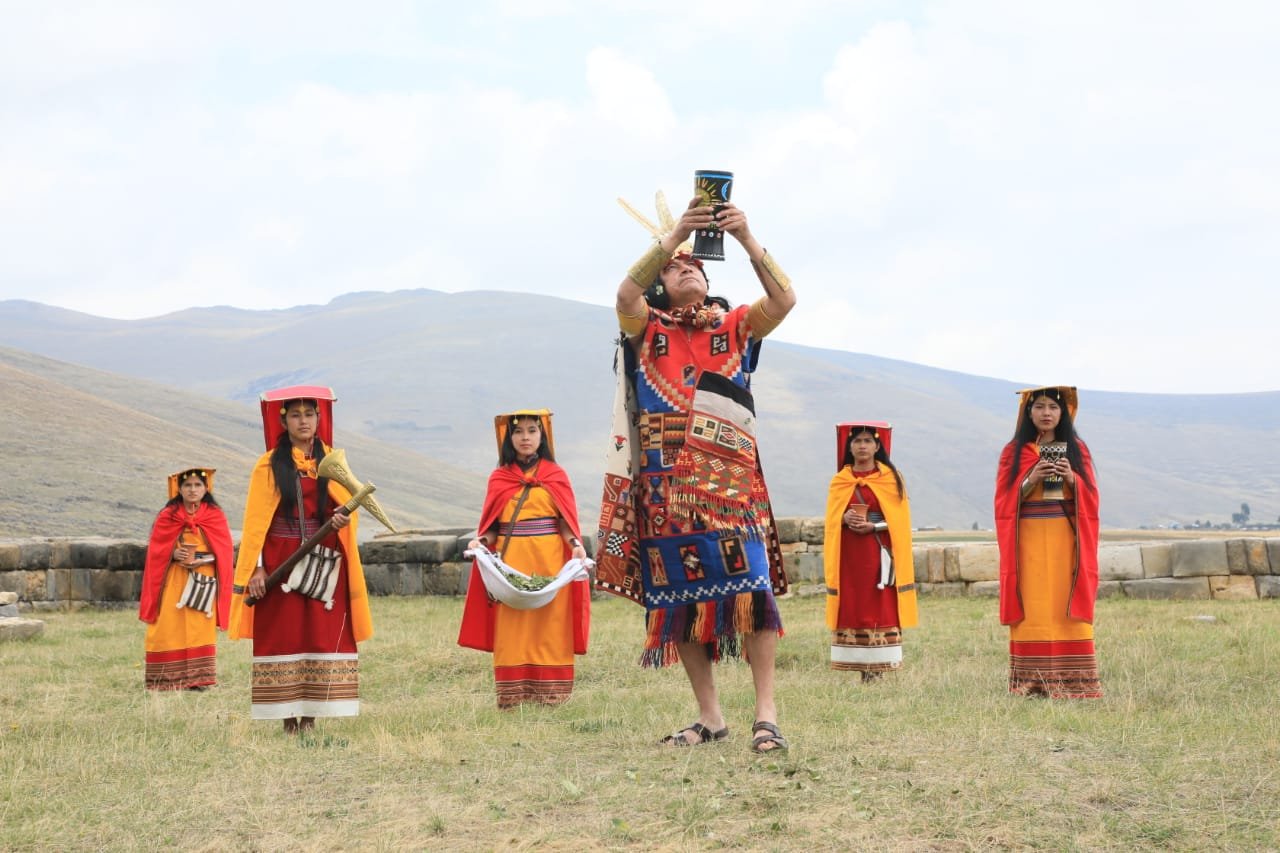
x=920 y=562
x=941 y=590
x=1268 y=586
x=10 y=556
x=978 y=563
x=8 y=597
x=70 y=585
x=435 y=549
x=384 y=550
x=1233 y=587
x=377 y=579
x=1167 y=588
x=1237 y=559
x=805 y=566
x=1157 y=560
x=935 y=569
x=1273 y=555
x=1120 y=562
x=951 y=563
x=446 y=578
x=812 y=530
x=60 y=606
x=60 y=554
x=112 y=585
x=88 y=554
x=983 y=589
x=788 y=529
x=126 y=555
x=793 y=547
x=1199 y=558
x=395 y=572
x=1257 y=561
x=34 y=555
x=9 y=611
x=414 y=581
x=1110 y=589
x=29 y=586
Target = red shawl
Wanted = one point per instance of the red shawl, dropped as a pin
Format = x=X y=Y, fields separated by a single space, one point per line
x=504 y=484
x=168 y=526
x=1084 y=579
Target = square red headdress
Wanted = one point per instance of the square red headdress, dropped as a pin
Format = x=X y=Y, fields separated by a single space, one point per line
x=883 y=431
x=273 y=402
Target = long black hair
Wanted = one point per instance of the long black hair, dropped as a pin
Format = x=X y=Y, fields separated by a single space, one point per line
x=208 y=498
x=507 y=454
x=285 y=472
x=1065 y=431
x=880 y=456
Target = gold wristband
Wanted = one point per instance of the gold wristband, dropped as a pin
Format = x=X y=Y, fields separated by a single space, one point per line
x=775 y=272
x=645 y=270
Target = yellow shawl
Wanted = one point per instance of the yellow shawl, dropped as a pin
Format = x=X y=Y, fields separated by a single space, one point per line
x=897 y=514
x=259 y=508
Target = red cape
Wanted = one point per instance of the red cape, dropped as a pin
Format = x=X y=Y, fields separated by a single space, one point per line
x=1084 y=579
x=504 y=484
x=164 y=535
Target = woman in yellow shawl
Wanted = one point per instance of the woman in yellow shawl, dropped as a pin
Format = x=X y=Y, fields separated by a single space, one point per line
x=305 y=662
x=871 y=594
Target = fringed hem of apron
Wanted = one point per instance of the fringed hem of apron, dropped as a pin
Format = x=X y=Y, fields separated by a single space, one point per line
x=717 y=625
x=692 y=503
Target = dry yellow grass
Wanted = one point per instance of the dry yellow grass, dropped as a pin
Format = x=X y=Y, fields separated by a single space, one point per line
x=1181 y=754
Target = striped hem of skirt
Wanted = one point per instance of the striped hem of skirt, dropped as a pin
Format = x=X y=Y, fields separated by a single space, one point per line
x=1058 y=669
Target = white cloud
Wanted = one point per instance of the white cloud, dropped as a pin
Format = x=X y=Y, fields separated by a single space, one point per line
x=935 y=177
x=628 y=97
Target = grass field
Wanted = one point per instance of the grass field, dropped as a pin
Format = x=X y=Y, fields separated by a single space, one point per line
x=1182 y=754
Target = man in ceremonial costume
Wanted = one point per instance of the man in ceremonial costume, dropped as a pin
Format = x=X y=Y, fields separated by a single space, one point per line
x=686 y=525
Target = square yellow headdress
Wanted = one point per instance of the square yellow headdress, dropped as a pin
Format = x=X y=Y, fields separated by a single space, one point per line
x=176 y=478
x=502 y=425
x=1063 y=395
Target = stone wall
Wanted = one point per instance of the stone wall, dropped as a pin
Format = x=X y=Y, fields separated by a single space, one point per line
x=51 y=574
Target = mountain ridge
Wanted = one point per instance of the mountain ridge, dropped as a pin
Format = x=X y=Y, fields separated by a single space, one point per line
x=426 y=371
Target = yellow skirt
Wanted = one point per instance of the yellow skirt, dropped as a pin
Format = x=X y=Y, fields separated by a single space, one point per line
x=533 y=649
x=1049 y=653
x=181 y=645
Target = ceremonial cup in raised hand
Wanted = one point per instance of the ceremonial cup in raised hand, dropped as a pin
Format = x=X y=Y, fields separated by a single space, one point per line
x=712 y=186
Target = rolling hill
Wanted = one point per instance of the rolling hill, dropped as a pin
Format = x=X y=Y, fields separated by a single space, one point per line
x=420 y=374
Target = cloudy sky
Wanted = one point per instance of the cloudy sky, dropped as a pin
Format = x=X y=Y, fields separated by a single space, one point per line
x=1078 y=192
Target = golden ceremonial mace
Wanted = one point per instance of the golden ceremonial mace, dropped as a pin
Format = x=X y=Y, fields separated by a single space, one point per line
x=334 y=467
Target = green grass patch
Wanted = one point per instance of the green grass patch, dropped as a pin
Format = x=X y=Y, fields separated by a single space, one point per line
x=1180 y=755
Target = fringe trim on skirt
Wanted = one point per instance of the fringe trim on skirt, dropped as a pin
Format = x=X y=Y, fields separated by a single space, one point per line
x=718 y=625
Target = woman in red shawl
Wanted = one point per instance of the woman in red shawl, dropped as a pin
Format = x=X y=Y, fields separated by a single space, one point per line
x=186 y=585
x=530 y=517
x=1046 y=507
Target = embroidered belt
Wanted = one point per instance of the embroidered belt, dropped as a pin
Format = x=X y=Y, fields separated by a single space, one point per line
x=287 y=528
x=1048 y=509
x=531 y=527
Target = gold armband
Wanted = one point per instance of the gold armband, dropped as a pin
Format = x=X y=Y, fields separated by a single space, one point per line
x=759 y=320
x=633 y=324
x=775 y=272
x=645 y=270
